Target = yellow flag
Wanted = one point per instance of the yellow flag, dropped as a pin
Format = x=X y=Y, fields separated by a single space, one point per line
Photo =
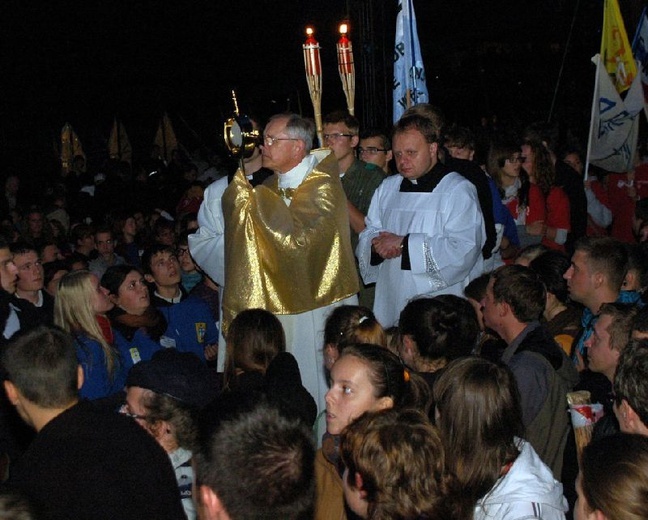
x=165 y=138
x=616 y=52
x=119 y=146
x=70 y=148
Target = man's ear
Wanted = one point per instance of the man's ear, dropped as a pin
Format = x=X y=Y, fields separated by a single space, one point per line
x=149 y=278
x=389 y=155
x=12 y=392
x=599 y=279
x=434 y=149
x=354 y=141
x=211 y=504
x=503 y=308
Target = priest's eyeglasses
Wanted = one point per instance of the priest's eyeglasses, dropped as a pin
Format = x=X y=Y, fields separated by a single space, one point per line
x=370 y=150
x=269 y=141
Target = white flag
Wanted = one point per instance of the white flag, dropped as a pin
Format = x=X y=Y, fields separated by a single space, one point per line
x=409 y=73
x=615 y=122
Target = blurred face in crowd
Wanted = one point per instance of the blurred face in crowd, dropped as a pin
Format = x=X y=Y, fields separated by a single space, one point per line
x=371 y=150
x=340 y=139
x=602 y=357
x=186 y=262
x=30 y=272
x=165 y=269
x=50 y=253
x=101 y=302
x=35 y=223
x=579 y=278
x=105 y=245
x=133 y=294
x=8 y=271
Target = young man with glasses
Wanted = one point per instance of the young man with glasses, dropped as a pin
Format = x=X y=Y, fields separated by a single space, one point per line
x=359 y=179
x=105 y=241
x=375 y=148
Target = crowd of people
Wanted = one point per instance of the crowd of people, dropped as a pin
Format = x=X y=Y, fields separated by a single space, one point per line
x=386 y=327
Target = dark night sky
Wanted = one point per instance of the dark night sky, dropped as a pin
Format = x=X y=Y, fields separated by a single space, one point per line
x=86 y=62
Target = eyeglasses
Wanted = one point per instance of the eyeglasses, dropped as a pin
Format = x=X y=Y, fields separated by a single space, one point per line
x=124 y=410
x=519 y=158
x=181 y=251
x=370 y=150
x=269 y=141
x=335 y=137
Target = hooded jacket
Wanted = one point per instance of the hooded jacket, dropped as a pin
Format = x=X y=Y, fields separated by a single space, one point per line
x=528 y=490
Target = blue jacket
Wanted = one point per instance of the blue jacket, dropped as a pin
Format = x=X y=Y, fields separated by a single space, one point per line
x=190 y=326
x=97 y=382
x=140 y=348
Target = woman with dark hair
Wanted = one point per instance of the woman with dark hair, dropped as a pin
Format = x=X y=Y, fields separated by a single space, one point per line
x=551 y=218
x=436 y=331
x=563 y=318
x=125 y=232
x=613 y=481
x=138 y=326
x=365 y=378
x=254 y=339
x=257 y=364
x=480 y=419
x=504 y=165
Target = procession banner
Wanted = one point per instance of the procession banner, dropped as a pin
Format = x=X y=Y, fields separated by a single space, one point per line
x=409 y=74
x=640 y=52
x=615 y=122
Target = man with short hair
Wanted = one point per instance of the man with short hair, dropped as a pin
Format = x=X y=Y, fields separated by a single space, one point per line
x=257 y=465
x=105 y=242
x=359 y=179
x=84 y=463
x=375 y=148
x=289 y=250
x=612 y=332
x=9 y=322
x=190 y=325
x=514 y=301
x=34 y=304
x=631 y=388
x=598 y=268
x=425 y=228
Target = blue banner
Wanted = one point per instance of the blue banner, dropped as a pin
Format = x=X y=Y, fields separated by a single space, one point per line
x=409 y=74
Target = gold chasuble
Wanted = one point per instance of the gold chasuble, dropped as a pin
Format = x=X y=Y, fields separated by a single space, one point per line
x=287 y=259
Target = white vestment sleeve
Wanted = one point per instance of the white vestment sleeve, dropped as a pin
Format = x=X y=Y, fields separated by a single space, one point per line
x=207 y=245
x=373 y=224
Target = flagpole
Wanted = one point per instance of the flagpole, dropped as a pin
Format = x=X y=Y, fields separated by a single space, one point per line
x=562 y=64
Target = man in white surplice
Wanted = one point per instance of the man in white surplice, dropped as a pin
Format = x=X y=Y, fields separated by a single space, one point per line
x=425 y=228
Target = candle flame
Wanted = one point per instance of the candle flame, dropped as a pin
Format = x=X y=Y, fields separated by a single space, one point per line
x=309 y=31
x=344 y=28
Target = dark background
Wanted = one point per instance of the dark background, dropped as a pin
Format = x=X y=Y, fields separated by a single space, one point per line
x=88 y=62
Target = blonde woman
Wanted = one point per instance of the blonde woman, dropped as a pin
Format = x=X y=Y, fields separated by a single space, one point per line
x=80 y=308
